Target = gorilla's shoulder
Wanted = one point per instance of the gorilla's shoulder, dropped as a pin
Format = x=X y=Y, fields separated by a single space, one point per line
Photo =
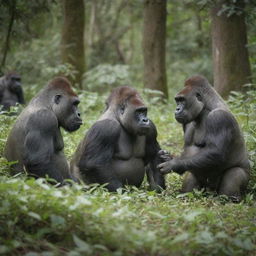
x=221 y=117
x=106 y=127
x=220 y=112
x=43 y=119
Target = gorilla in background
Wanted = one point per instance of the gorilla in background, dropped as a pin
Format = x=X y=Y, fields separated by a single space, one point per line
x=214 y=148
x=121 y=146
x=11 y=90
x=35 y=140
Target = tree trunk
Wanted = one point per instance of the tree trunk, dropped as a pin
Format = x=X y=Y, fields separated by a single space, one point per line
x=154 y=36
x=72 y=41
x=230 y=53
x=9 y=31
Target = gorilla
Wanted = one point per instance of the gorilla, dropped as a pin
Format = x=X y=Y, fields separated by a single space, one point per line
x=214 y=150
x=35 y=142
x=121 y=146
x=11 y=90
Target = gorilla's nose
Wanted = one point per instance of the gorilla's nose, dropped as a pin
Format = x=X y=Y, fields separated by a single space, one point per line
x=79 y=119
x=178 y=110
x=145 y=120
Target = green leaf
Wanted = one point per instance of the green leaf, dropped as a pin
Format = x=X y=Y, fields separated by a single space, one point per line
x=34 y=215
x=244 y=244
x=205 y=237
x=82 y=245
x=192 y=215
x=180 y=238
x=57 y=220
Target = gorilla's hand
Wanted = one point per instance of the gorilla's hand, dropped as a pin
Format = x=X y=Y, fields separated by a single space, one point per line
x=165 y=155
x=167 y=167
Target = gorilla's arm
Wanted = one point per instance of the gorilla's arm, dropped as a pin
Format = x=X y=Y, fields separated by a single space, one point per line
x=219 y=133
x=98 y=153
x=20 y=96
x=152 y=159
x=39 y=145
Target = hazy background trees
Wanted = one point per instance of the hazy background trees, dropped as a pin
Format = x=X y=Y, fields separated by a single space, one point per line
x=229 y=47
x=72 y=38
x=151 y=43
x=40 y=219
x=154 y=38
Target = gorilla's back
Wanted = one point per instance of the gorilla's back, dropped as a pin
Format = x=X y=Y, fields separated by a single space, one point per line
x=13 y=151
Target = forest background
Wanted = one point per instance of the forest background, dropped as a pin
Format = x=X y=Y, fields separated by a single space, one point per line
x=112 y=40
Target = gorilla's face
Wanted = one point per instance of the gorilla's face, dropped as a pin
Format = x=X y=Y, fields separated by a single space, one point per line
x=134 y=118
x=189 y=106
x=14 y=83
x=66 y=109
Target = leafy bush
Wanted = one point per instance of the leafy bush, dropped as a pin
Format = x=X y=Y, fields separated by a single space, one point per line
x=105 y=76
x=244 y=106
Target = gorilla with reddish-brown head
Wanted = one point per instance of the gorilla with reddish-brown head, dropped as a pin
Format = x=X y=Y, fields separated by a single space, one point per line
x=35 y=141
x=214 y=150
x=121 y=146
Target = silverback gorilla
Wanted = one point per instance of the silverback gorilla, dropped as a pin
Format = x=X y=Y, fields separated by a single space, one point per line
x=121 y=146
x=10 y=90
x=35 y=141
x=214 y=148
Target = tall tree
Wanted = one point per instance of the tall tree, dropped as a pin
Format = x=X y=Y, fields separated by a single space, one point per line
x=154 y=37
x=72 y=41
x=229 y=46
x=12 y=8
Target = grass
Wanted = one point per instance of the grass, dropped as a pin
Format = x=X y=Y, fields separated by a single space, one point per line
x=39 y=219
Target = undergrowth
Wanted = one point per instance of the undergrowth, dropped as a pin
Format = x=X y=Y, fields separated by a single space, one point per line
x=39 y=219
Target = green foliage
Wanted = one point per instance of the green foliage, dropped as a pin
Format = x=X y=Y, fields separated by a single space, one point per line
x=113 y=37
x=21 y=21
x=34 y=64
x=39 y=219
x=244 y=106
x=188 y=42
x=36 y=217
x=105 y=76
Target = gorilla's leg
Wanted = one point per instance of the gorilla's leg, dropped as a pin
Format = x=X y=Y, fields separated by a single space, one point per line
x=190 y=182
x=155 y=179
x=234 y=183
x=60 y=167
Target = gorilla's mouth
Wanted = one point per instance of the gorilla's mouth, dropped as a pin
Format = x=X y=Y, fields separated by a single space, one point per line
x=180 y=119
x=74 y=126
x=143 y=129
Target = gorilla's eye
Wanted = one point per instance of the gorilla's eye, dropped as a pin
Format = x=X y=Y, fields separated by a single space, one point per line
x=198 y=96
x=122 y=108
x=15 y=79
x=179 y=98
x=141 y=111
x=76 y=102
x=57 y=99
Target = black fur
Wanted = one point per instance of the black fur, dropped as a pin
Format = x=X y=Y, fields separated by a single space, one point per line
x=35 y=140
x=121 y=147
x=11 y=91
x=214 y=148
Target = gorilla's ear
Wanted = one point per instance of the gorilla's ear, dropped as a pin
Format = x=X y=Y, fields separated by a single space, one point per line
x=198 y=96
x=57 y=99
